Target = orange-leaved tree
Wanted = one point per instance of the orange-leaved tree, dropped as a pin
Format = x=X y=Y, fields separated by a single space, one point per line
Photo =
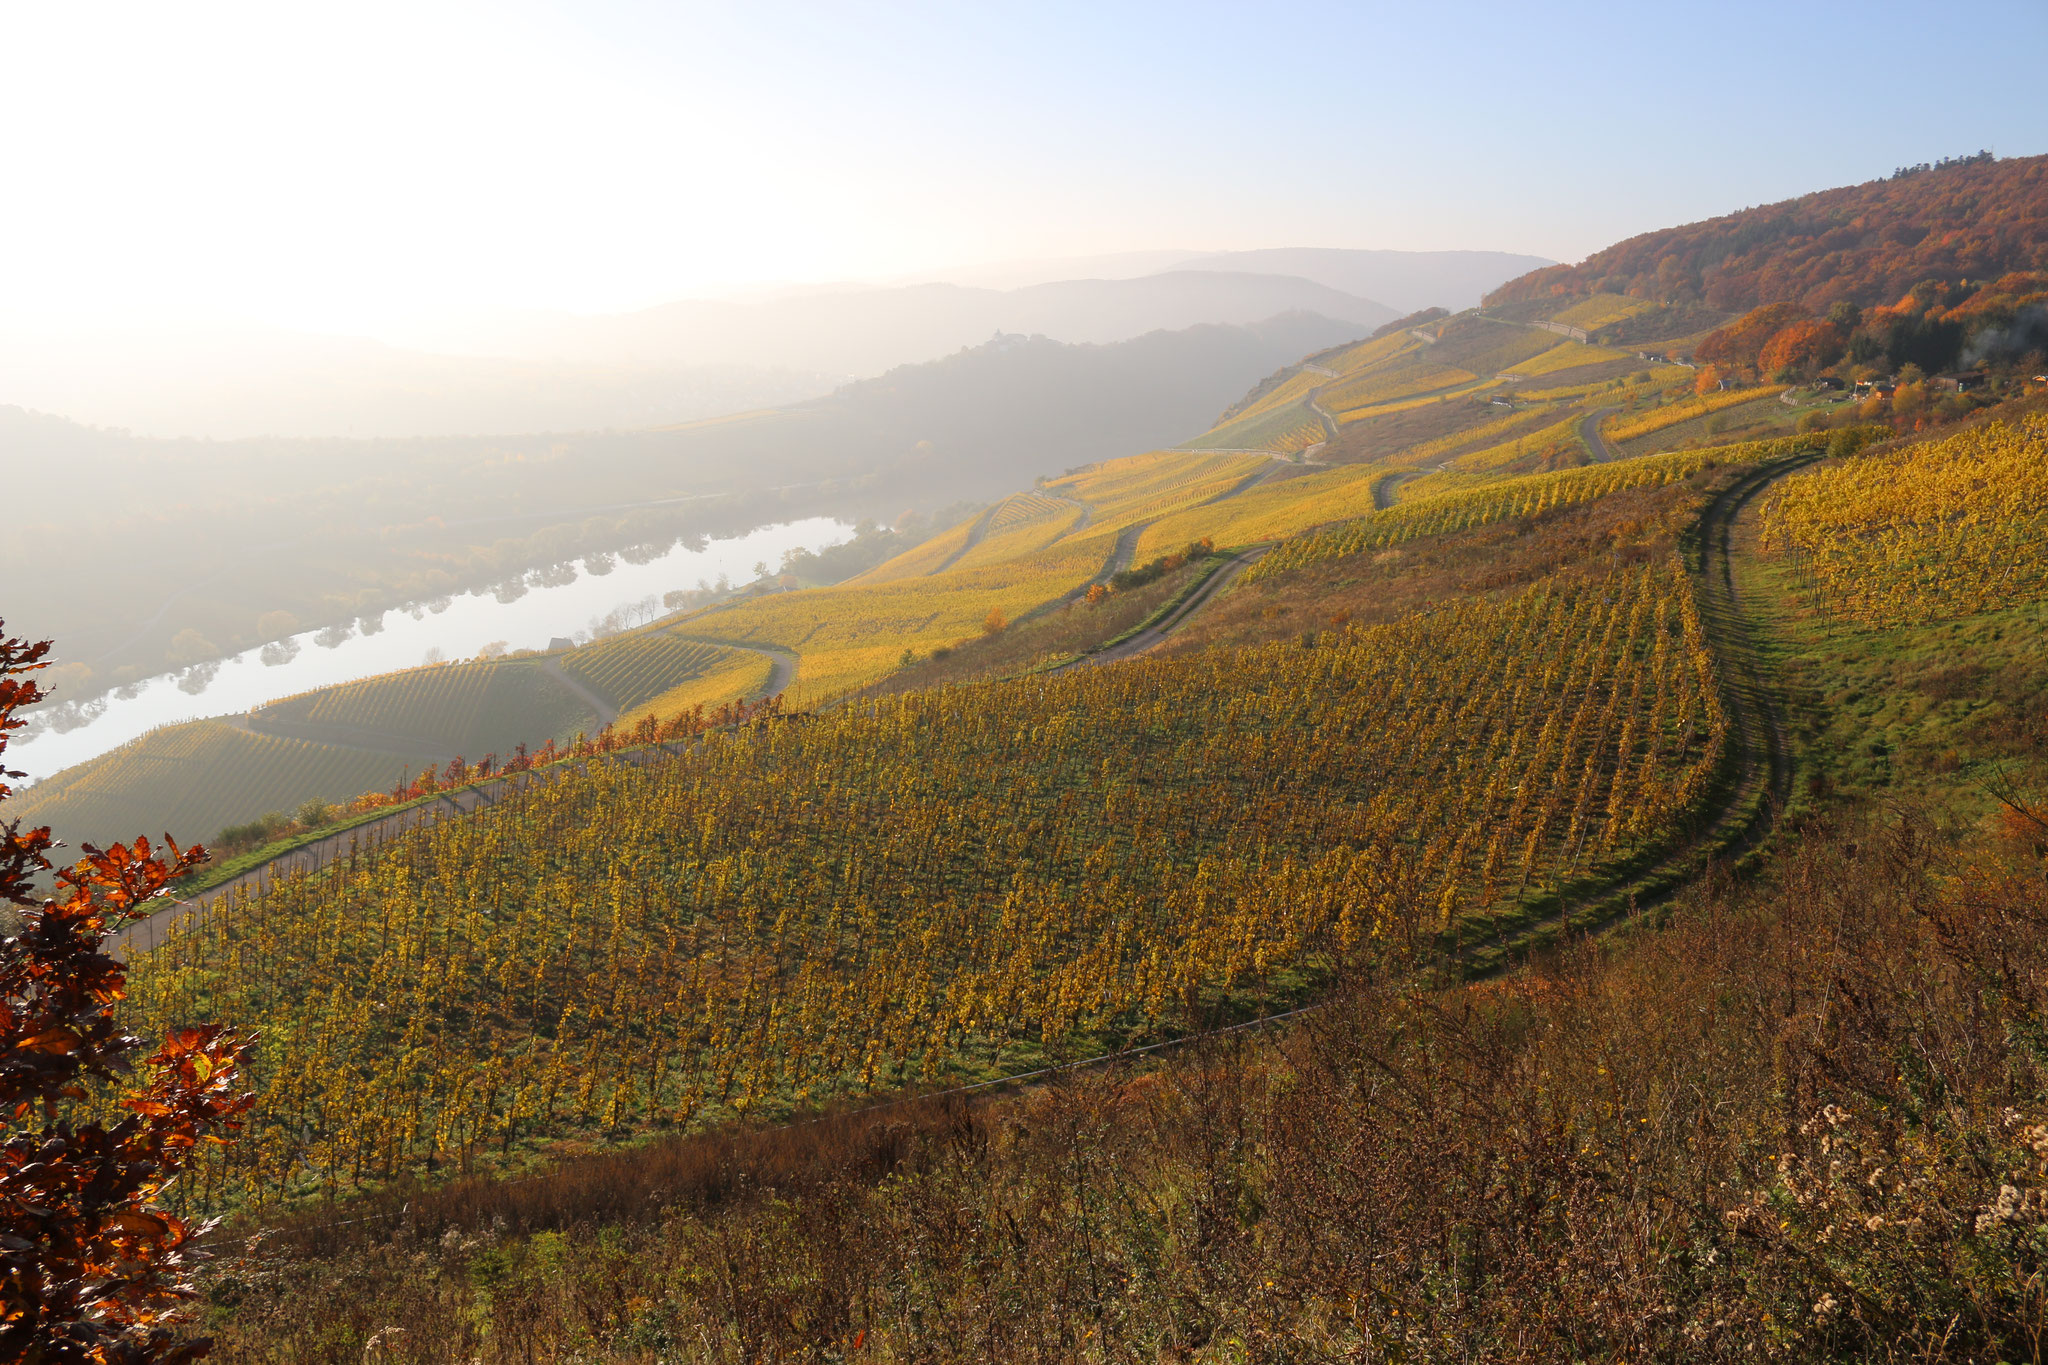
x=93 y=1271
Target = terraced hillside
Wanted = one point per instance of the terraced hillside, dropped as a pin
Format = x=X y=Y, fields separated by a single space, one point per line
x=193 y=779
x=458 y=708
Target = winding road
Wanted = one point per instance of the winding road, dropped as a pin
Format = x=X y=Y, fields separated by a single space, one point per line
x=1154 y=635
x=1590 y=437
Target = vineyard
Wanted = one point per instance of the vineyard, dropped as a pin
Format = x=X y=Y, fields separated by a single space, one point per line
x=1271 y=512
x=1370 y=353
x=1938 y=529
x=1280 y=430
x=1526 y=496
x=1020 y=508
x=736 y=675
x=1682 y=410
x=1485 y=346
x=1023 y=532
x=1561 y=434
x=629 y=670
x=1565 y=355
x=920 y=560
x=1368 y=390
x=848 y=636
x=1601 y=309
x=1425 y=453
x=191 y=780
x=951 y=881
x=1130 y=490
x=1293 y=390
x=469 y=708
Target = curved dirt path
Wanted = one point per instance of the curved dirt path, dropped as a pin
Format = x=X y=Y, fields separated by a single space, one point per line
x=1323 y=414
x=606 y=712
x=1760 y=784
x=1390 y=484
x=781 y=668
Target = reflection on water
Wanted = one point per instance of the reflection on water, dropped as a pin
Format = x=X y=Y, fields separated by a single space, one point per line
x=610 y=593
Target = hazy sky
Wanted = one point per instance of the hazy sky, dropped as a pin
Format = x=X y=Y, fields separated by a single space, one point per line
x=352 y=166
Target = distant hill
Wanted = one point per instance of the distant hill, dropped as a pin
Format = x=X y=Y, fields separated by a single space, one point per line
x=231 y=383
x=1971 y=219
x=661 y=366
x=1403 y=280
x=858 y=332
x=212 y=536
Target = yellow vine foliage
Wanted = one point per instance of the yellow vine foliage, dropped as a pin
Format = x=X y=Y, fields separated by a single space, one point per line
x=1684 y=410
x=1938 y=529
x=1507 y=498
x=943 y=883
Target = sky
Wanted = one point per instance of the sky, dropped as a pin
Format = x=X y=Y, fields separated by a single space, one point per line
x=365 y=166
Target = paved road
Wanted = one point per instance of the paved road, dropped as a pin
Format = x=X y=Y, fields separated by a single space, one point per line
x=1590 y=437
x=1152 y=636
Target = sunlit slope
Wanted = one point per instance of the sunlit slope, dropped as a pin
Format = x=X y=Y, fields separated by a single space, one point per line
x=1030 y=550
x=1271 y=511
x=951 y=881
x=735 y=675
x=1524 y=496
x=191 y=780
x=1937 y=530
x=1519 y=403
x=1465 y=360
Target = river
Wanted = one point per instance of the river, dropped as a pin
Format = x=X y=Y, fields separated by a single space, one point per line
x=577 y=601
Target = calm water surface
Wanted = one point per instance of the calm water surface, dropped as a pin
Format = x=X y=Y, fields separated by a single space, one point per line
x=577 y=600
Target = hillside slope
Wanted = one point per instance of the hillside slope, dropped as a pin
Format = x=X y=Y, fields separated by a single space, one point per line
x=376 y=524
x=859 y=331
x=1867 y=244
x=1162 y=931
